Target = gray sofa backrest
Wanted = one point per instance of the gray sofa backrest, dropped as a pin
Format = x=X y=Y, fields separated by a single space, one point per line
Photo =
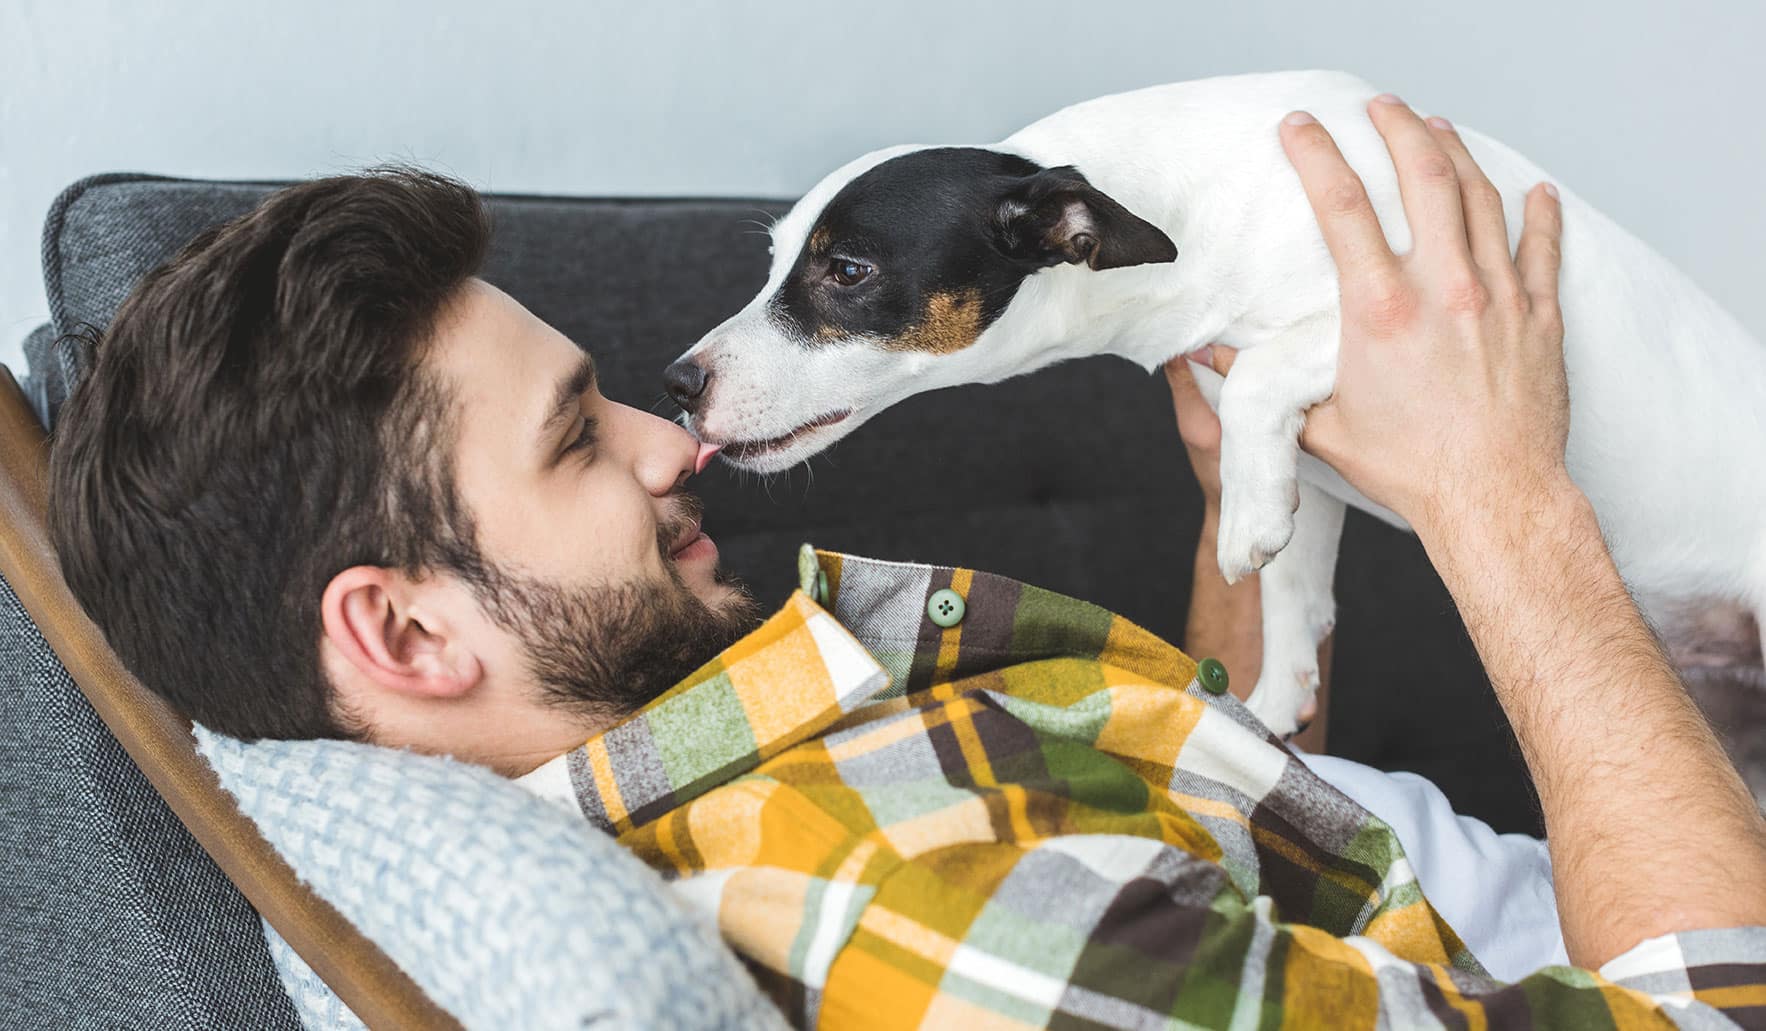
x=110 y=915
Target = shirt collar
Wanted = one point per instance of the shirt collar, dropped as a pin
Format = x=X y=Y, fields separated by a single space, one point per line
x=855 y=632
x=785 y=682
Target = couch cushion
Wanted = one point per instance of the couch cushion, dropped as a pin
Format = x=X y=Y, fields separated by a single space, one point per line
x=1072 y=478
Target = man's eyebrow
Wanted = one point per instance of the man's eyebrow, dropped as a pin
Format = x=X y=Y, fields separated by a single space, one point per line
x=568 y=395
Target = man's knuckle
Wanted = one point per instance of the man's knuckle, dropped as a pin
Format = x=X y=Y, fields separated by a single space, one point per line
x=1549 y=314
x=1465 y=295
x=1434 y=169
x=1482 y=194
x=1507 y=296
x=1543 y=224
x=1386 y=304
x=1344 y=196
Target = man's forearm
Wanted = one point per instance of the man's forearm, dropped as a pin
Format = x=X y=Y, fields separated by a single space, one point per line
x=1226 y=620
x=1650 y=828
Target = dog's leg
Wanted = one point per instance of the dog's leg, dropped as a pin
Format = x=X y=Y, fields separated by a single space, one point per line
x=1262 y=407
x=1299 y=609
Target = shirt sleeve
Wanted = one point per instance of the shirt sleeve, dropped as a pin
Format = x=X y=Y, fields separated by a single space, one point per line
x=1723 y=970
x=1700 y=979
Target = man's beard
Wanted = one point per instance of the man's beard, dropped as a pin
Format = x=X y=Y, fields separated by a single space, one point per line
x=609 y=649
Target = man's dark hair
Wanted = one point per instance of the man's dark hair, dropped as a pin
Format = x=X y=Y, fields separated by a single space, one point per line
x=257 y=419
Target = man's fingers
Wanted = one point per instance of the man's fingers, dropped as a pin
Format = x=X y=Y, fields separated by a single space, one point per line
x=1184 y=390
x=1218 y=357
x=1339 y=200
x=1186 y=396
x=1540 y=251
x=1196 y=422
x=1486 y=228
x=1321 y=431
x=1427 y=181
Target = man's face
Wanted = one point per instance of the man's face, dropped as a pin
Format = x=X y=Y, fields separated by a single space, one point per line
x=600 y=590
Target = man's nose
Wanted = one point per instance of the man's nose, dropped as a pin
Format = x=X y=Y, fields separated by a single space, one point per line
x=686 y=381
x=663 y=453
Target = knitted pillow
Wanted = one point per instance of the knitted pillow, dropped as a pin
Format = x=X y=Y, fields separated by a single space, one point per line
x=506 y=911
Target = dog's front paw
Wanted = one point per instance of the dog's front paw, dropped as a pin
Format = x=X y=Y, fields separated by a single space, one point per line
x=1253 y=529
x=1283 y=696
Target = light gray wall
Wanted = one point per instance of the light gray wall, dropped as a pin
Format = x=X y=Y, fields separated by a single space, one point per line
x=1651 y=110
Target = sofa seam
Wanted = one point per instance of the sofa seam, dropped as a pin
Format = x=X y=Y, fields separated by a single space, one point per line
x=56 y=220
x=51 y=254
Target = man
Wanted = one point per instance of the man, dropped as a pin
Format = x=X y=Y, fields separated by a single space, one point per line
x=323 y=483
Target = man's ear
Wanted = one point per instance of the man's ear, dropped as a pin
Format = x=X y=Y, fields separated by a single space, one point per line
x=1056 y=216
x=378 y=622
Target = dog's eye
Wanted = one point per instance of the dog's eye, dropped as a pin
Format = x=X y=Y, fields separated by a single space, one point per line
x=847 y=272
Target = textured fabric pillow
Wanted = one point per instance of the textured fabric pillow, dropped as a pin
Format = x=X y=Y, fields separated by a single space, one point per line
x=505 y=910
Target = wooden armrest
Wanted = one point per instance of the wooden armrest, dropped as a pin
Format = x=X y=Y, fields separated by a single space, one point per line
x=160 y=742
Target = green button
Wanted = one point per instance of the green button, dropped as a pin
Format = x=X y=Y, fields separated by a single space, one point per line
x=945 y=607
x=821 y=588
x=1212 y=675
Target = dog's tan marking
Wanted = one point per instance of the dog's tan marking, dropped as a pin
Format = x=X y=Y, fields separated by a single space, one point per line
x=818 y=240
x=951 y=322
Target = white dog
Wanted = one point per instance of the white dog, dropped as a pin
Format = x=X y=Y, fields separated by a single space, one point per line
x=1150 y=223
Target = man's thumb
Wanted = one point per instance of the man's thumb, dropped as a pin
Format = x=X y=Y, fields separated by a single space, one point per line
x=1321 y=431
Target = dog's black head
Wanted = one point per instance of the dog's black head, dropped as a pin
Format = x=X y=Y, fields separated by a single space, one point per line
x=876 y=273
x=924 y=251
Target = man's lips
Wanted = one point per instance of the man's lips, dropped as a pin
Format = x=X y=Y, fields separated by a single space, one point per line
x=694 y=544
x=754 y=448
x=685 y=540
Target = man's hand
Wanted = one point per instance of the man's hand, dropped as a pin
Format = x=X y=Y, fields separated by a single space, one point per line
x=1451 y=409
x=1197 y=424
x=1436 y=341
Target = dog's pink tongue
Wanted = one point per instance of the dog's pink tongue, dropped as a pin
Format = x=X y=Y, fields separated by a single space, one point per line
x=704 y=459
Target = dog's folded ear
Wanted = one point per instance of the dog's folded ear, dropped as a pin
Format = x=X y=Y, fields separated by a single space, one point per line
x=1055 y=216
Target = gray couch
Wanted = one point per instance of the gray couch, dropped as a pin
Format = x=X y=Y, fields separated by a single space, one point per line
x=112 y=916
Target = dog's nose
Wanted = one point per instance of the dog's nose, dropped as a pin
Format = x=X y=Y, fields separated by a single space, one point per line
x=686 y=381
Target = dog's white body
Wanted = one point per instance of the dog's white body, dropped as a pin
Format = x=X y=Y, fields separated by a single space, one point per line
x=1668 y=392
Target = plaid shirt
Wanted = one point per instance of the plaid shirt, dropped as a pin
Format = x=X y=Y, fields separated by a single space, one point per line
x=1038 y=816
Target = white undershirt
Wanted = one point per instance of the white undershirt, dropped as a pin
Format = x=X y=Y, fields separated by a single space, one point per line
x=1494 y=889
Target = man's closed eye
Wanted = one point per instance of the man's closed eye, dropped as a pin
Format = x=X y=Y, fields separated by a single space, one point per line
x=584 y=438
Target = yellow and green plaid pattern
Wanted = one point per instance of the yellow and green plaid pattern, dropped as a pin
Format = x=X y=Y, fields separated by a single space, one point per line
x=1037 y=817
